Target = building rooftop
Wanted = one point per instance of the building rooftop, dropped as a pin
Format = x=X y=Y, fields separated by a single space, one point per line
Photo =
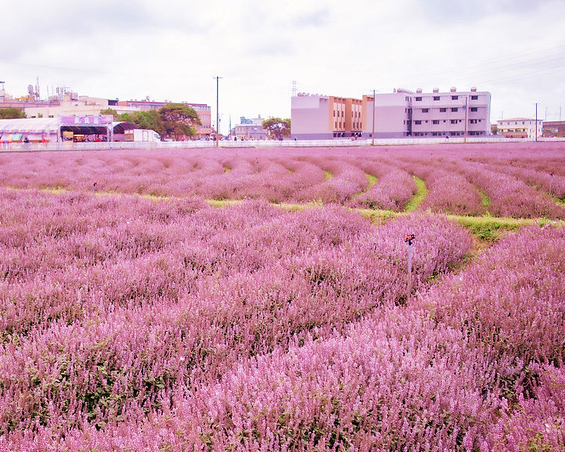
x=519 y=119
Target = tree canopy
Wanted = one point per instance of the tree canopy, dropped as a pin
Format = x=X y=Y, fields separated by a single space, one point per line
x=11 y=113
x=179 y=120
x=277 y=128
x=110 y=111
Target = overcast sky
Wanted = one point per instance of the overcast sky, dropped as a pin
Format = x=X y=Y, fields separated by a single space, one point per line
x=173 y=49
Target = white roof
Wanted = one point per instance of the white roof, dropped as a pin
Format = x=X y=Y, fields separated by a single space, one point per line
x=31 y=125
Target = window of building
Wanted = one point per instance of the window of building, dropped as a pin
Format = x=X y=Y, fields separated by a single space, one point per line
x=417 y=122
x=435 y=121
x=474 y=97
x=474 y=109
x=425 y=110
x=442 y=110
x=455 y=109
x=436 y=97
x=418 y=99
x=454 y=97
x=454 y=121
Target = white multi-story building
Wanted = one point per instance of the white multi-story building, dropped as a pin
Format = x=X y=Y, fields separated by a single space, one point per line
x=454 y=113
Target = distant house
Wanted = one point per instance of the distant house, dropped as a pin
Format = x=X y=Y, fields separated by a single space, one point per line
x=520 y=128
x=250 y=129
x=554 y=129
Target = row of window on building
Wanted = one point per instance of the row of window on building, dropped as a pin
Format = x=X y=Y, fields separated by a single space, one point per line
x=451 y=121
x=438 y=98
x=444 y=110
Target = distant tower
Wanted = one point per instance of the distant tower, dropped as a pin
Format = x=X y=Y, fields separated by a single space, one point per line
x=294 y=90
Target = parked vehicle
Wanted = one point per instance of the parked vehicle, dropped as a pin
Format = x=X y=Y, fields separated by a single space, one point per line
x=146 y=135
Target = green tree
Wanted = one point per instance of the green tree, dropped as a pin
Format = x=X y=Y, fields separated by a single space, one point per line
x=178 y=120
x=110 y=111
x=148 y=120
x=11 y=113
x=277 y=128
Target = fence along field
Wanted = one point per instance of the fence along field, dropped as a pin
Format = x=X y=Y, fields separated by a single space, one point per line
x=159 y=322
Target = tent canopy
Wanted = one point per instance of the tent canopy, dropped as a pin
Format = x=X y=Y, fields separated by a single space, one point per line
x=32 y=125
x=121 y=126
x=40 y=126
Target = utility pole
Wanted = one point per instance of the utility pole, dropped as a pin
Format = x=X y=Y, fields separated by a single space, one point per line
x=374 y=114
x=217 y=110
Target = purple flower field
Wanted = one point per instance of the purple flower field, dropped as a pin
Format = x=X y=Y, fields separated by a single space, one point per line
x=164 y=324
x=517 y=181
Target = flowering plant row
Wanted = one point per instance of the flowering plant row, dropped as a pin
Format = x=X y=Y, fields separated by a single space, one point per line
x=500 y=181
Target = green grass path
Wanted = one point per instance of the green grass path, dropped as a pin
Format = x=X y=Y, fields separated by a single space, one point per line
x=485 y=228
x=418 y=198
